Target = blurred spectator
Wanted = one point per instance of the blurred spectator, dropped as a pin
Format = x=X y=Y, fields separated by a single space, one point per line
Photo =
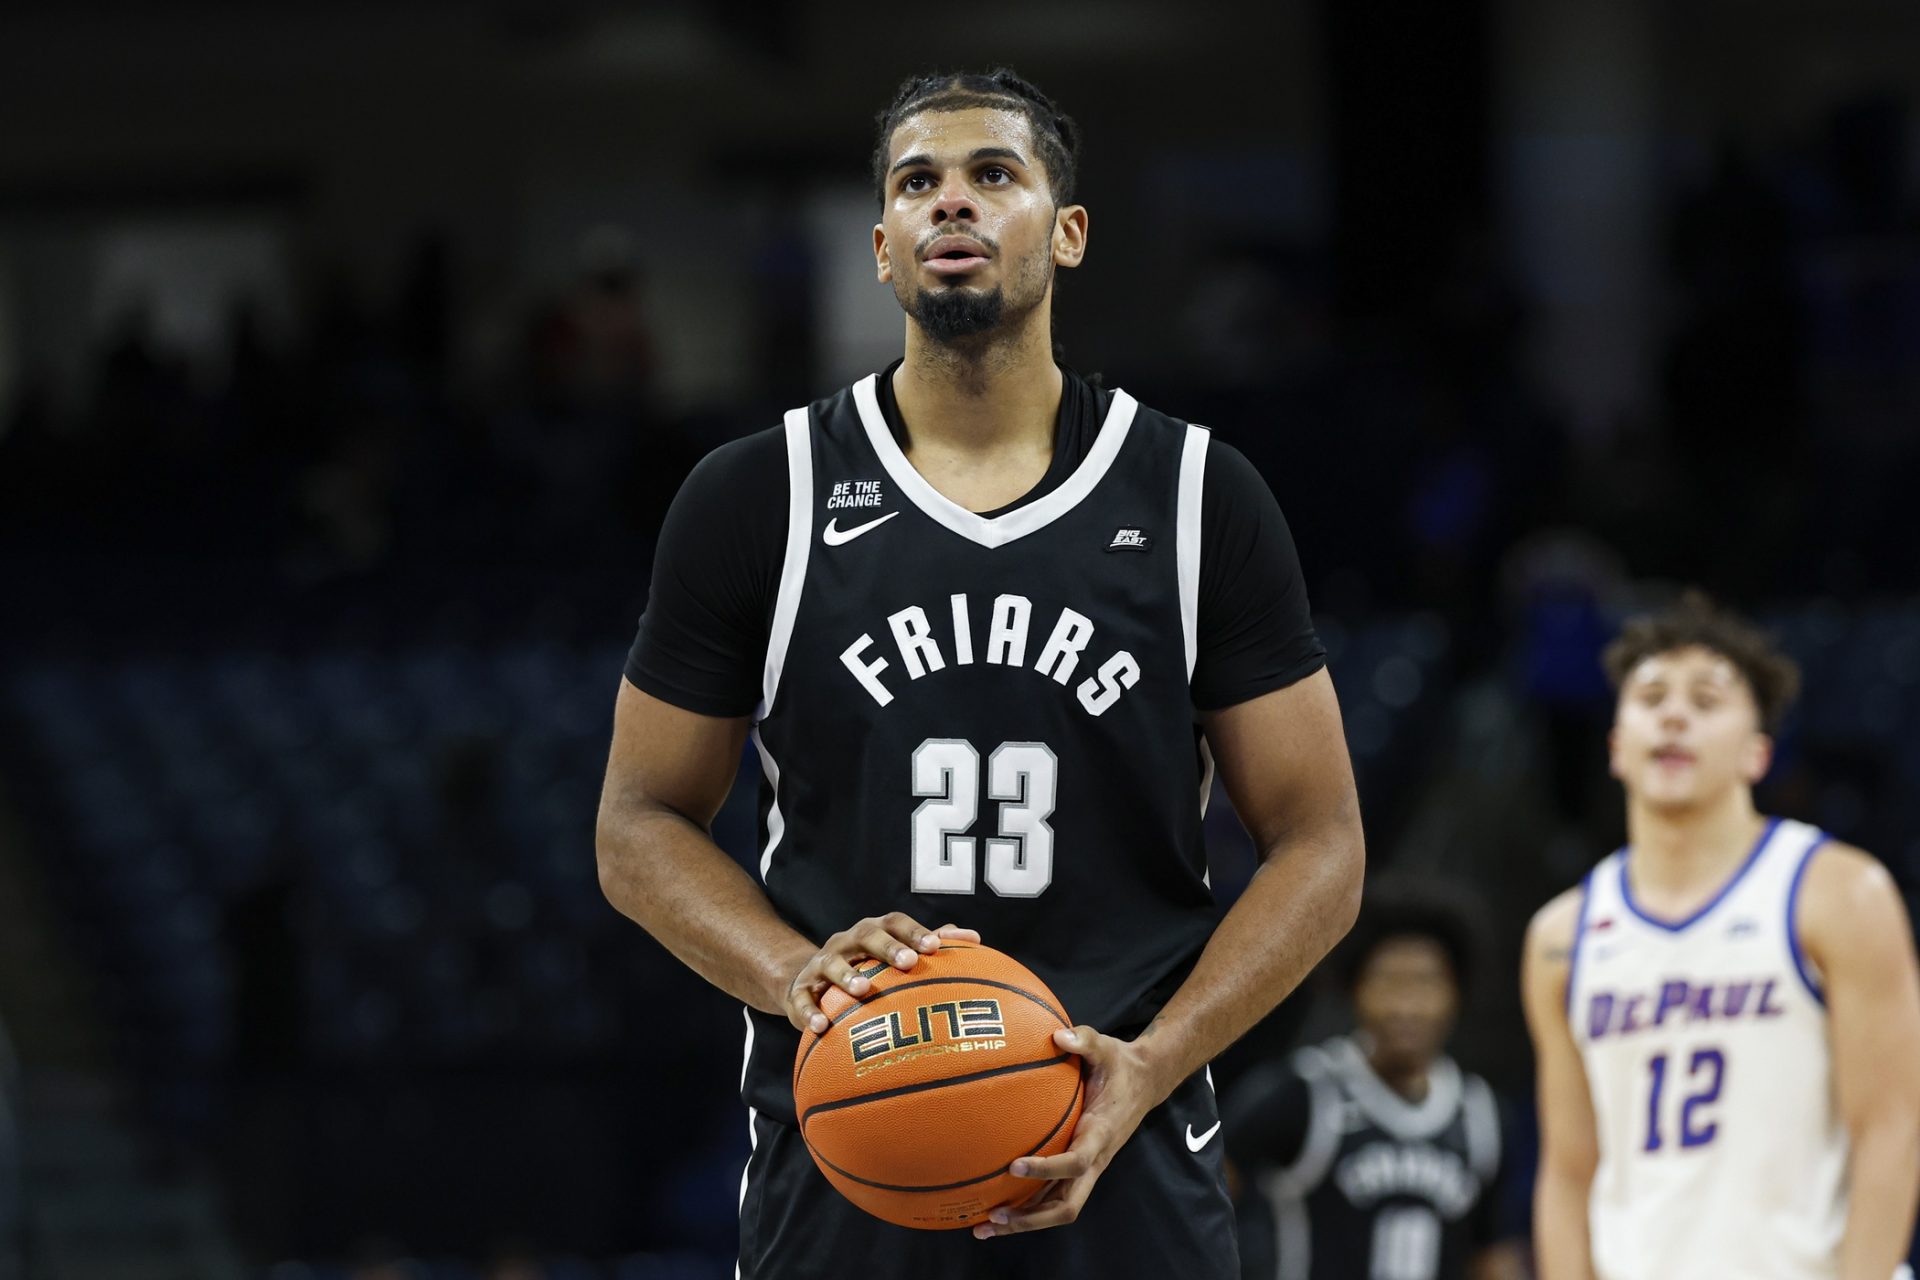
x=1374 y=1154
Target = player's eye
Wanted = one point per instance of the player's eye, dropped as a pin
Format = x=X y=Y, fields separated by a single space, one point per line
x=995 y=175
x=914 y=183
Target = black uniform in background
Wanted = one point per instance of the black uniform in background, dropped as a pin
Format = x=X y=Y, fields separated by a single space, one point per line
x=989 y=719
x=1344 y=1179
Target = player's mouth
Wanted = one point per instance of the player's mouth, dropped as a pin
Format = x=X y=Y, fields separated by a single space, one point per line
x=954 y=255
x=1673 y=757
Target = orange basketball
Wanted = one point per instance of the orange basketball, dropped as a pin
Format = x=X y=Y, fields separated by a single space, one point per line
x=917 y=1097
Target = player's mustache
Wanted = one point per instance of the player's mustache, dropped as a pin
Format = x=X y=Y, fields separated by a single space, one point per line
x=926 y=242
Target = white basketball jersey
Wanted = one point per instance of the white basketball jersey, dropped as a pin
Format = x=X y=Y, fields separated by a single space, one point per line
x=1722 y=1151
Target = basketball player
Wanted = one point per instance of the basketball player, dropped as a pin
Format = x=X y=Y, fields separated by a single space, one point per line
x=1726 y=1013
x=1374 y=1155
x=990 y=628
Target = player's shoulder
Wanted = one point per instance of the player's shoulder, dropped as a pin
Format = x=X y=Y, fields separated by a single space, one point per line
x=1550 y=932
x=755 y=456
x=1844 y=887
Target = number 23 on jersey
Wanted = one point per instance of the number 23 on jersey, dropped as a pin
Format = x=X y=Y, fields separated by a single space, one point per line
x=1022 y=777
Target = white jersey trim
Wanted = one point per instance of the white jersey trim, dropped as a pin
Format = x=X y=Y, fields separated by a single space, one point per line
x=1483 y=1129
x=1293 y=1237
x=1193 y=469
x=776 y=821
x=1407 y=1121
x=786 y=606
x=753 y=1134
x=1325 y=1111
x=793 y=568
x=1017 y=523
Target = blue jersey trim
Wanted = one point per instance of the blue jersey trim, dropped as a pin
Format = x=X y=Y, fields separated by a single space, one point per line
x=1579 y=932
x=1793 y=914
x=1675 y=926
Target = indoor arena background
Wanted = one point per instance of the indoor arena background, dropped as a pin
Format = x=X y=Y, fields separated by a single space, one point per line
x=349 y=355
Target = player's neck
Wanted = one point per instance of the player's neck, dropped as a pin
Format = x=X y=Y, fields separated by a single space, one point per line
x=1410 y=1080
x=974 y=401
x=1680 y=853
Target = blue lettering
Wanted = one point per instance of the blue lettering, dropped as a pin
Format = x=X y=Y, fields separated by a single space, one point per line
x=1737 y=993
x=1600 y=1016
x=1630 y=1019
x=1703 y=1003
x=1768 y=1009
x=1673 y=995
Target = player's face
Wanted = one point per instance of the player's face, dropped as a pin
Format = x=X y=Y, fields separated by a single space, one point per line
x=1406 y=1001
x=969 y=236
x=1686 y=729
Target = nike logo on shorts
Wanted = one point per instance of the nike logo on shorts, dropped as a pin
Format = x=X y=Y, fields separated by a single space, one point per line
x=1195 y=1143
x=833 y=535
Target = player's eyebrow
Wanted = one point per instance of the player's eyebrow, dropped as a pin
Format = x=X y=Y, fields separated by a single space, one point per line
x=921 y=159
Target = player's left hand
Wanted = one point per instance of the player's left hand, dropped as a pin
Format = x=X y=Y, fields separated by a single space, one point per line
x=1121 y=1088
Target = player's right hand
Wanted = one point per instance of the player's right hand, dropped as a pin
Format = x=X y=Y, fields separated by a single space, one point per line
x=896 y=937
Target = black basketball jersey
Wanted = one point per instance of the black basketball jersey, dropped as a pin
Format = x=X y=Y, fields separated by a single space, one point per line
x=1381 y=1188
x=987 y=719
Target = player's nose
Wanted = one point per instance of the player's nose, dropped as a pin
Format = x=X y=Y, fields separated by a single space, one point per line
x=954 y=202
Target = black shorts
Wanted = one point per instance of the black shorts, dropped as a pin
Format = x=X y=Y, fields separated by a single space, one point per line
x=1160 y=1209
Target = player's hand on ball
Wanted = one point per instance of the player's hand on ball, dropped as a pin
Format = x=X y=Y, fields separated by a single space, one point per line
x=1120 y=1091
x=896 y=937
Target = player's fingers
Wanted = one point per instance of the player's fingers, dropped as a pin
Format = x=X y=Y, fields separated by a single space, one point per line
x=1055 y=1209
x=909 y=931
x=884 y=944
x=1068 y=1164
x=954 y=933
x=840 y=973
x=1083 y=1040
x=803 y=1011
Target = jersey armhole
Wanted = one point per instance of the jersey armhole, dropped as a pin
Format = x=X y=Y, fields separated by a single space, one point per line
x=793 y=565
x=1296 y=1180
x=1794 y=949
x=1483 y=1129
x=1579 y=932
x=1193 y=470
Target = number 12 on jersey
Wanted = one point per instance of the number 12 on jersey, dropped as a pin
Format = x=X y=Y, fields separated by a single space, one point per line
x=1706 y=1072
x=1022 y=777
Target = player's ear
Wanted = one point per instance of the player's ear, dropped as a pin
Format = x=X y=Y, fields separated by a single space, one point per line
x=1069 y=235
x=1613 y=754
x=883 y=265
x=1757 y=759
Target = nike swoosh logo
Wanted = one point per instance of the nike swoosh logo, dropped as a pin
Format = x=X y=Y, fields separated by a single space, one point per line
x=834 y=536
x=1194 y=1144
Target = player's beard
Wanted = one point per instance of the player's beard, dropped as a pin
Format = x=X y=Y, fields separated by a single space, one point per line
x=954 y=315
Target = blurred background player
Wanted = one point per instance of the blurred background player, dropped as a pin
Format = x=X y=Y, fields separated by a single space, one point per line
x=1726 y=1012
x=1373 y=1156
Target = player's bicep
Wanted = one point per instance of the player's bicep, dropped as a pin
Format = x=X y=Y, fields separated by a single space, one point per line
x=1855 y=929
x=666 y=757
x=1569 y=1142
x=1283 y=759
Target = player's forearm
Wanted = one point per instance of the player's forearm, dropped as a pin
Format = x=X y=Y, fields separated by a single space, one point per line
x=1883 y=1180
x=1562 y=1249
x=663 y=872
x=1301 y=901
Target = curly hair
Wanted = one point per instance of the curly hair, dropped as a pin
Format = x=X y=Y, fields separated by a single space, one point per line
x=1395 y=907
x=1696 y=621
x=1054 y=132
